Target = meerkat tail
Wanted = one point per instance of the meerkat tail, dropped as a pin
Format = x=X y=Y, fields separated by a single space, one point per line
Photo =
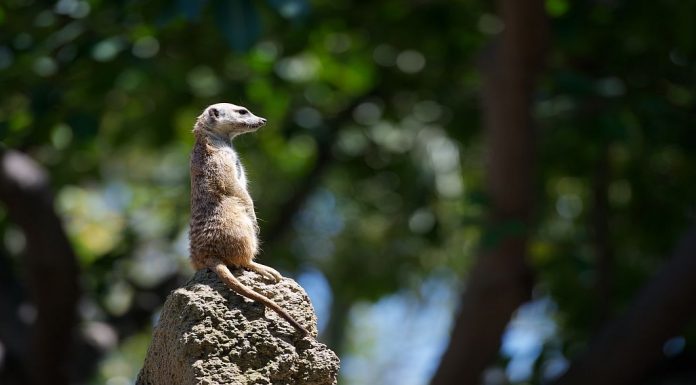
x=233 y=283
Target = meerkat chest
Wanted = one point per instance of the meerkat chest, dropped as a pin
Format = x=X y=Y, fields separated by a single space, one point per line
x=231 y=159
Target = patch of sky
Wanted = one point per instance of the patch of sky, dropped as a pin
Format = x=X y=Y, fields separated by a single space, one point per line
x=400 y=338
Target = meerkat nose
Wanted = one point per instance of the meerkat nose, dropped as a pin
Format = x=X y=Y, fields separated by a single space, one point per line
x=263 y=120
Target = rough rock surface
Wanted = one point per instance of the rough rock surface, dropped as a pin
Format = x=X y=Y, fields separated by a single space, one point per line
x=207 y=334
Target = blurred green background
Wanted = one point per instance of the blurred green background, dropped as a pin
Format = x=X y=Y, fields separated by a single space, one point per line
x=369 y=179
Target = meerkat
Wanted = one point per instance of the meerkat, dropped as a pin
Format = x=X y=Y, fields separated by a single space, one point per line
x=224 y=231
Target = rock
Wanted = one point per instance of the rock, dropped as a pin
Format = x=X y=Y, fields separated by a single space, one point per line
x=207 y=334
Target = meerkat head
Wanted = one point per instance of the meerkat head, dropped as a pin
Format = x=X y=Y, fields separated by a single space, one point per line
x=228 y=120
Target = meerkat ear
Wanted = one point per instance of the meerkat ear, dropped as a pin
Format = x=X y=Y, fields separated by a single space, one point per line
x=214 y=113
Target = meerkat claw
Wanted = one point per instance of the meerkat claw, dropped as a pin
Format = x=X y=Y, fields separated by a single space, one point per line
x=266 y=271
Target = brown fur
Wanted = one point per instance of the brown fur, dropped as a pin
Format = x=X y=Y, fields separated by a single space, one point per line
x=224 y=231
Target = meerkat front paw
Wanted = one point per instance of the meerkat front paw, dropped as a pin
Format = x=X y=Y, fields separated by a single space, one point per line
x=266 y=271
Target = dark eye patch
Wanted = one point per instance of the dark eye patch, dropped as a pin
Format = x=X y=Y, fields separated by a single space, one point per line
x=242 y=112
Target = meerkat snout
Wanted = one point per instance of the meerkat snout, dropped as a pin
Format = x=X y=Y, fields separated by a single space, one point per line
x=229 y=119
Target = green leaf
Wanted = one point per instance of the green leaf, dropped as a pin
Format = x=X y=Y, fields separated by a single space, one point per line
x=557 y=8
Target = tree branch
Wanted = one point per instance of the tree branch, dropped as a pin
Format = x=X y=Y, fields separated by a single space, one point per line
x=632 y=344
x=51 y=266
x=310 y=181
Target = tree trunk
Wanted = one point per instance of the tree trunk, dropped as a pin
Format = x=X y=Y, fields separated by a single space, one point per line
x=51 y=266
x=500 y=280
x=604 y=254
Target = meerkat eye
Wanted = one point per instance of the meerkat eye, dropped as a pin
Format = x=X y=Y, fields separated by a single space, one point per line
x=242 y=112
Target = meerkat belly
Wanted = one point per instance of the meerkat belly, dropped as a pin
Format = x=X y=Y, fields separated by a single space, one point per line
x=226 y=232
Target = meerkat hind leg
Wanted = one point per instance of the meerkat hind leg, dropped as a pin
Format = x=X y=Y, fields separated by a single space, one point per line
x=266 y=271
